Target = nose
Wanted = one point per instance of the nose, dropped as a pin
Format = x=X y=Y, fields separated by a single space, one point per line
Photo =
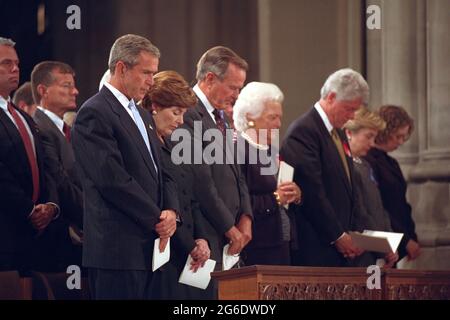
x=75 y=91
x=150 y=80
x=15 y=67
x=180 y=120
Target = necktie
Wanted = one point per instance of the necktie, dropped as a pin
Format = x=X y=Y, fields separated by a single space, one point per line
x=220 y=121
x=337 y=141
x=28 y=149
x=66 y=130
x=142 y=130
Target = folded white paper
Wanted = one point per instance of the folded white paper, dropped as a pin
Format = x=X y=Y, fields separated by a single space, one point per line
x=228 y=261
x=378 y=241
x=160 y=258
x=285 y=174
x=199 y=279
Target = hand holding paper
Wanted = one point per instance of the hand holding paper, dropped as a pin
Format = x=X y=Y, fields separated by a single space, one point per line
x=200 y=278
x=378 y=241
x=228 y=260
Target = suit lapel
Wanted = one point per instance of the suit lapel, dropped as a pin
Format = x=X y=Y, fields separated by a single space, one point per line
x=131 y=128
x=332 y=150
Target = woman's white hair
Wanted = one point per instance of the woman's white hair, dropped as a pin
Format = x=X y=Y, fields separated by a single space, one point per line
x=347 y=84
x=252 y=101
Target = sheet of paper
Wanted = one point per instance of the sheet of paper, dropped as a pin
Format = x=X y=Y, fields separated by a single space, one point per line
x=228 y=261
x=199 y=279
x=377 y=241
x=160 y=258
x=285 y=174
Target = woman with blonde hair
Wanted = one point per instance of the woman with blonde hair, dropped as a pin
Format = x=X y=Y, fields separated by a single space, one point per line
x=361 y=133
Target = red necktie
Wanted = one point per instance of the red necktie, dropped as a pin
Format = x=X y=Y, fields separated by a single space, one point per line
x=29 y=150
x=66 y=130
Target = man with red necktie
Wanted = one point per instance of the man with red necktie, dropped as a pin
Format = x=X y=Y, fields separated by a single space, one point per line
x=54 y=91
x=27 y=195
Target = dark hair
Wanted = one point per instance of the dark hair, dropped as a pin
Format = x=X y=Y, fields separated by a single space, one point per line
x=42 y=74
x=23 y=93
x=395 y=117
x=216 y=60
x=169 y=89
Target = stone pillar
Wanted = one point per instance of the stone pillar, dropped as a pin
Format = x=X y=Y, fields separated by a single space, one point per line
x=408 y=65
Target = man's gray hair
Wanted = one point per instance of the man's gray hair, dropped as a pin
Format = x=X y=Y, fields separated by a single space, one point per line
x=252 y=101
x=7 y=42
x=127 y=49
x=347 y=84
x=216 y=60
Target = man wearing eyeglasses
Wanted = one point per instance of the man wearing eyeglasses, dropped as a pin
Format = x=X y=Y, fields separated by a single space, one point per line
x=54 y=92
x=27 y=194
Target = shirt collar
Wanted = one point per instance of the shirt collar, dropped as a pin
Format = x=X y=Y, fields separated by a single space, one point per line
x=323 y=116
x=59 y=123
x=205 y=101
x=4 y=103
x=124 y=101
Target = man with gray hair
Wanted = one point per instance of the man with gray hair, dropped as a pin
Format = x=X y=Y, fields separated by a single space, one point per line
x=318 y=150
x=129 y=200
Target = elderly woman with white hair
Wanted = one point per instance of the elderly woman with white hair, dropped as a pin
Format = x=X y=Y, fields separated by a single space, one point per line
x=257 y=118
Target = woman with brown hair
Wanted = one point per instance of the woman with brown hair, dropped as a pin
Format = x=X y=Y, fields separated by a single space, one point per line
x=391 y=182
x=168 y=99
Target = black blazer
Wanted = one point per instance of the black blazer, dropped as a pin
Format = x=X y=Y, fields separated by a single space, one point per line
x=16 y=186
x=328 y=197
x=221 y=188
x=61 y=165
x=123 y=193
x=392 y=186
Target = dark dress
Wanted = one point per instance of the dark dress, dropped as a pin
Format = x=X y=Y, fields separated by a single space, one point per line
x=371 y=215
x=165 y=283
x=392 y=186
x=270 y=244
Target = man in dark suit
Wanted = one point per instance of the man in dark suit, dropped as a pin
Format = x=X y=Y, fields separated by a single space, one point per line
x=54 y=90
x=221 y=191
x=129 y=200
x=317 y=149
x=27 y=205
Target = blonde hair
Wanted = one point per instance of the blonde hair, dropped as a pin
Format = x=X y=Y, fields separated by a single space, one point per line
x=364 y=118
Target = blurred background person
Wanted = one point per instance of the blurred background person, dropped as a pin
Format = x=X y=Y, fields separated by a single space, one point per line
x=23 y=98
x=361 y=133
x=257 y=118
x=391 y=182
x=168 y=99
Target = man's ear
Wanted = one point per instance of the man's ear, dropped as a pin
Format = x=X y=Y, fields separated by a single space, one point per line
x=210 y=78
x=121 y=68
x=42 y=91
x=331 y=97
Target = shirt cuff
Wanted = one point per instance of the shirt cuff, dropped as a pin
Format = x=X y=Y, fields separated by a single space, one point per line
x=343 y=234
x=58 y=211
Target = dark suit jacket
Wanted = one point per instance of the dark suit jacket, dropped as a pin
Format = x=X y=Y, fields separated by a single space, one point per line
x=16 y=186
x=222 y=190
x=392 y=186
x=123 y=193
x=328 y=197
x=61 y=165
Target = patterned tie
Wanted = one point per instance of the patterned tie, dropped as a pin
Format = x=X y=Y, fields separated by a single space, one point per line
x=28 y=149
x=220 y=121
x=338 y=142
x=141 y=126
x=66 y=130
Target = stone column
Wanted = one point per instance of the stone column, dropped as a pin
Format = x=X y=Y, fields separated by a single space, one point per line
x=408 y=65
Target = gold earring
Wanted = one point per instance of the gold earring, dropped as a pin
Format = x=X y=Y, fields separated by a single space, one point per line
x=251 y=124
x=154 y=112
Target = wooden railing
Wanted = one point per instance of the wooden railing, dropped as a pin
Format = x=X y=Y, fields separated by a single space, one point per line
x=312 y=283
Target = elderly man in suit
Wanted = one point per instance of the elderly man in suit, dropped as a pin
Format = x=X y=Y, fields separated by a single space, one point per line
x=317 y=149
x=54 y=91
x=28 y=195
x=128 y=196
x=222 y=193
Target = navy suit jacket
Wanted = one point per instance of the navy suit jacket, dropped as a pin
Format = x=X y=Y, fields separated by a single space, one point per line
x=123 y=193
x=329 y=201
x=16 y=186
